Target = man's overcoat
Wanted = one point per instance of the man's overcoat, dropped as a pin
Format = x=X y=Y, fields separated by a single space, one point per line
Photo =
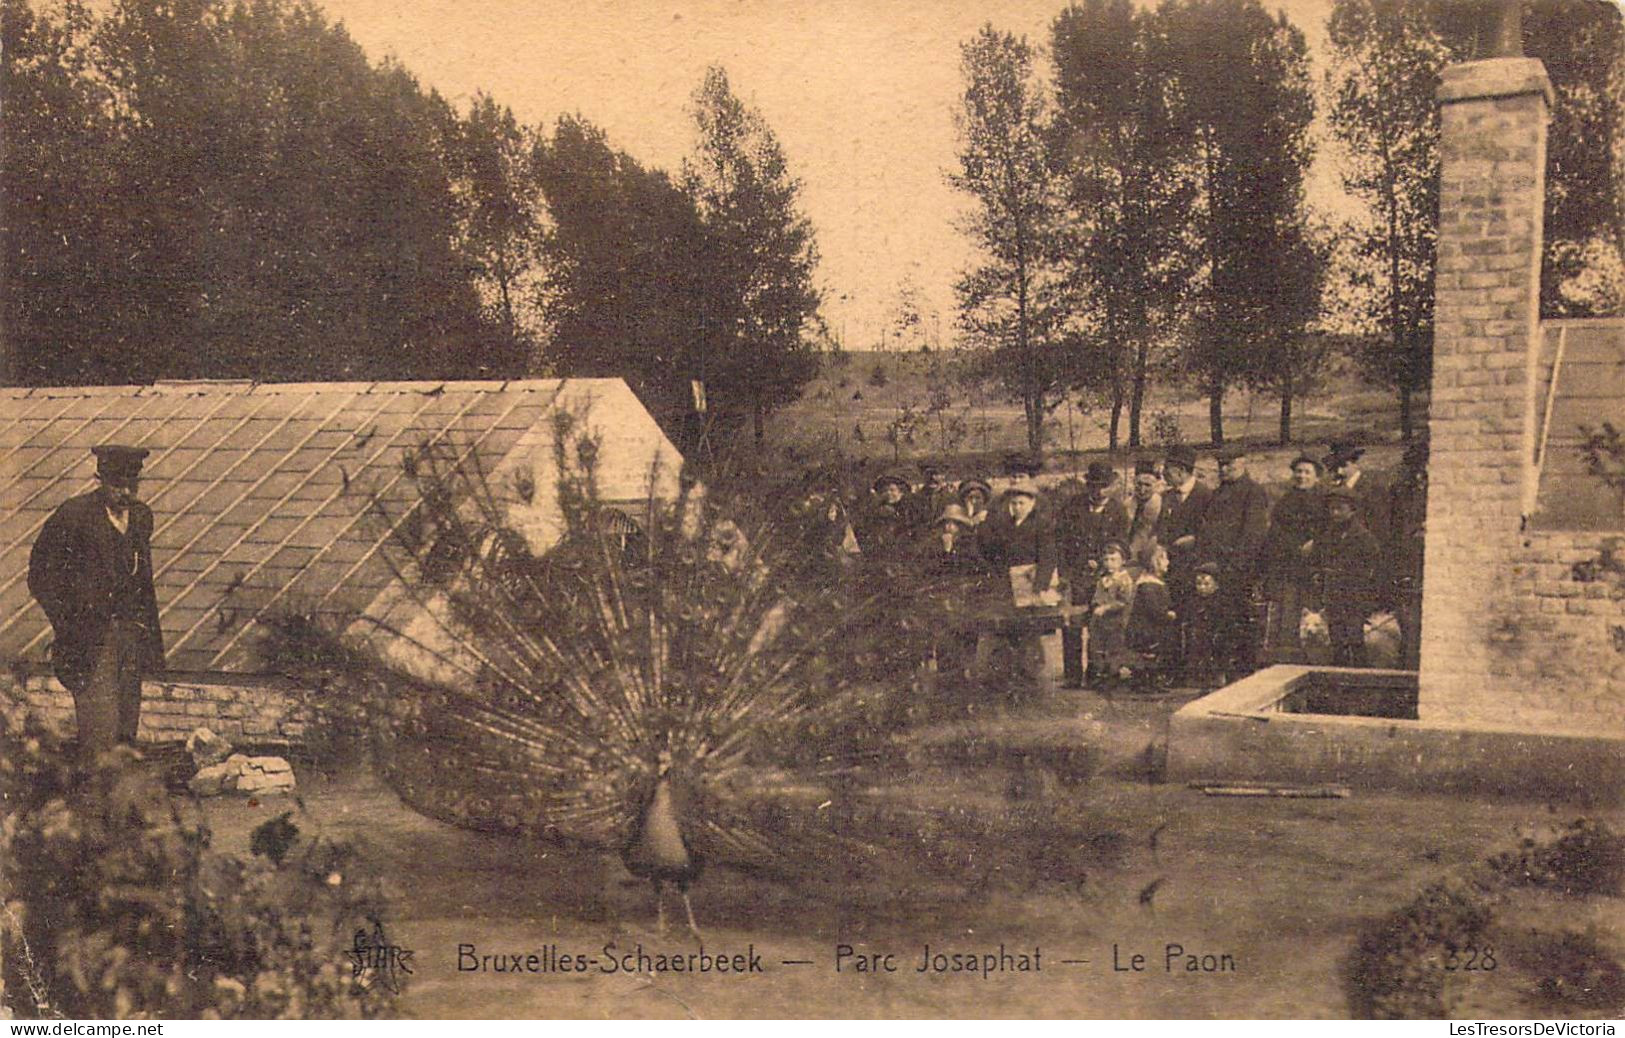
x=79 y=567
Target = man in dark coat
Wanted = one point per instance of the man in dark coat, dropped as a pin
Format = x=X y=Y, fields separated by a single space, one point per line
x=1371 y=497
x=91 y=572
x=1184 y=500
x=1347 y=564
x=1232 y=534
x=885 y=532
x=1019 y=534
x=1284 y=567
x=1084 y=525
x=926 y=504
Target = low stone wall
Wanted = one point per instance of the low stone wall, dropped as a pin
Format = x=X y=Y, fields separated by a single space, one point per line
x=240 y=709
x=1239 y=734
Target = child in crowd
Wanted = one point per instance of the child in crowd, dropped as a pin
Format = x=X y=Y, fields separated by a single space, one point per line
x=1109 y=610
x=1152 y=625
x=1200 y=626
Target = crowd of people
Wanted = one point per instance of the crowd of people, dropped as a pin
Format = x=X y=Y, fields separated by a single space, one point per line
x=1161 y=577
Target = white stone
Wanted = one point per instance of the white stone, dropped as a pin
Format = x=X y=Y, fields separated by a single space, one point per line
x=206 y=747
x=215 y=779
x=265 y=775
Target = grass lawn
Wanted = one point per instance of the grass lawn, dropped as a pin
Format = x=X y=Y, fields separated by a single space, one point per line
x=849 y=398
x=1279 y=886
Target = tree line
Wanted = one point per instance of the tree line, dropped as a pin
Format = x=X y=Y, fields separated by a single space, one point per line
x=1140 y=210
x=230 y=188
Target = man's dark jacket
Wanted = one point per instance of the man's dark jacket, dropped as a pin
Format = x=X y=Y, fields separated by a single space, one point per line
x=1182 y=516
x=1003 y=544
x=1233 y=527
x=79 y=564
x=1081 y=532
x=1348 y=562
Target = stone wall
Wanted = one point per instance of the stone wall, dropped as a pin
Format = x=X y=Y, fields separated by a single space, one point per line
x=1556 y=643
x=242 y=711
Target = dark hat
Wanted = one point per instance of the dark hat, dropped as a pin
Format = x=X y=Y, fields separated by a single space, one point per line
x=1145 y=466
x=1100 y=474
x=1114 y=545
x=1181 y=455
x=1304 y=459
x=1342 y=451
x=117 y=463
x=1210 y=568
x=1022 y=465
x=967 y=485
x=930 y=468
x=1231 y=452
x=889 y=477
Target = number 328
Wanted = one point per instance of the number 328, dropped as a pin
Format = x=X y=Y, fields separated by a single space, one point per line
x=1470 y=959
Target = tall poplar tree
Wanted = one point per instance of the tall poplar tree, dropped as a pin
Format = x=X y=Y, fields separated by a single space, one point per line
x=1243 y=94
x=1386 y=61
x=1129 y=187
x=760 y=301
x=1013 y=305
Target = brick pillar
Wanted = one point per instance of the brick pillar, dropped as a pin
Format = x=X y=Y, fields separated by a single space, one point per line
x=1493 y=117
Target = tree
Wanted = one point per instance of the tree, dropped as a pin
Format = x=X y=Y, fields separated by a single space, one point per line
x=231 y=189
x=621 y=291
x=1385 y=66
x=1129 y=186
x=1387 y=55
x=1243 y=94
x=1012 y=307
x=760 y=255
x=909 y=317
x=53 y=235
x=1582 y=45
x=501 y=205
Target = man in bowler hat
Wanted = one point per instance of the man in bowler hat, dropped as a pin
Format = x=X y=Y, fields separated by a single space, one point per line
x=91 y=572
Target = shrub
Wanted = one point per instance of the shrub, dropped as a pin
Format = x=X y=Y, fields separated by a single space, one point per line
x=1397 y=970
x=1165 y=430
x=1575 y=969
x=1587 y=858
x=878 y=377
x=116 y=908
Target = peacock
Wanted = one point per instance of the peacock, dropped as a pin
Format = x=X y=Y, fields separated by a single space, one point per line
x=700 y=687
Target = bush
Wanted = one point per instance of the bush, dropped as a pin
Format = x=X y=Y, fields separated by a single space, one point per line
x=1587 y=858
x=116 y=908
x=1165 y=430
x=1575 y=969
x=878 y=377
x=1397 y=970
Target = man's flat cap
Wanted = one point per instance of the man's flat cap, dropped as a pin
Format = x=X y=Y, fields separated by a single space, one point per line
x=115 y=461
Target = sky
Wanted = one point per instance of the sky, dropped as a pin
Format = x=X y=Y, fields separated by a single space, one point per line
x=861 y=94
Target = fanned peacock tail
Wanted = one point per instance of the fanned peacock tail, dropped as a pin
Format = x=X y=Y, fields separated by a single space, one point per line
x=562 y=685
x=698 y=652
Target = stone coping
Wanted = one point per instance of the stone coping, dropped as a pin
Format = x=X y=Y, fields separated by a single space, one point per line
x=1495 y=77
x=1239 y=733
